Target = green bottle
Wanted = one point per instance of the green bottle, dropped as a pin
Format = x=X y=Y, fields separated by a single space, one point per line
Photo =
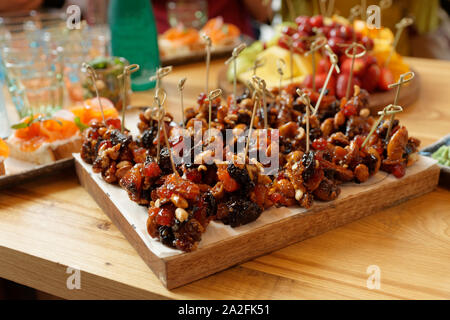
x=134 y=37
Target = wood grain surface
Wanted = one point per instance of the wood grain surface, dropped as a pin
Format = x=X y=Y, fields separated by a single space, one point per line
x=51 y=223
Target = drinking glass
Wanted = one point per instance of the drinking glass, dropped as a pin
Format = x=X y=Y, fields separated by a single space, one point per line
x=34 y=78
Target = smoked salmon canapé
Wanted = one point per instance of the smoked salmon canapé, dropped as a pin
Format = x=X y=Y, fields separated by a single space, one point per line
x=91 y=110
x=221 y=33
x=41 y=139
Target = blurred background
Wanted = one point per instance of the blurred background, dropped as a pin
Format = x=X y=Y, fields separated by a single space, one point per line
x=41 y=57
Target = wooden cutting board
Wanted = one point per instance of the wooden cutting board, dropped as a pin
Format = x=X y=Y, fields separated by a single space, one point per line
x=223 y=246
x=377 y=101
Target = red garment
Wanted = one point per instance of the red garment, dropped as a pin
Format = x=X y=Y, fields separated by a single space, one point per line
x=232 y=11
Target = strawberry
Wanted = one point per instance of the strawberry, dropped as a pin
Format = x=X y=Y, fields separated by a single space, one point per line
x=324 y=65
x=386 y=78
x=341 y=85
x=316 y=21
x=320 y=81
x=307 y=82
x=358 y=67
x=371 y=78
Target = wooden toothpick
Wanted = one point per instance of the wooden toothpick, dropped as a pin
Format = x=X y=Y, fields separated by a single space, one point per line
x=355 y=12
x=91 y=71
x=405 y=22
x=208 y=42
x=388 y=110
x=180 y=89
x=353 y=55
x=334 y=66
x=288 y=41
x=280 y=67
x=262 y=88
x=307 y=101
x=160 y=98
x=316 y=45
x=127 y=71
x=161 y=115
x=236 y=51
x=211 y=96
x=323 y=10
x=291 y=9
x=258 y=64
x=404 y=78
x=160 y=73
x=256 y=98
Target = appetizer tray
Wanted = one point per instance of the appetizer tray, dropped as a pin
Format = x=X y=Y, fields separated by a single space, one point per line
x=222 y=246
x=377 y=101
x=19 y=171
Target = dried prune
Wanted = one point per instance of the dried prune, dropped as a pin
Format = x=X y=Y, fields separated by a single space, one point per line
x=118 y=137
x=327 y=190
x=309 y=163
x=164 y=161
x=241 y=176
x=166 y=235
x=240 y=212
x=188 y=234
x=147 y=138
x=211 y=204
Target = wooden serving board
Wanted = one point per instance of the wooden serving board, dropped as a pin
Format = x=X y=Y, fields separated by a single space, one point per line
x=223 y=246
x=377 y=101
x=17 y=173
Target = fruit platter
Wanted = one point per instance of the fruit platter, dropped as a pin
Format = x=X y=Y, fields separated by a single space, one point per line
x=374 y=71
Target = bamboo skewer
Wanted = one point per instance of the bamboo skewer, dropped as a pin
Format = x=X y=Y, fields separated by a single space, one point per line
x=256 y=99
x=280 y=66
x=127 y=71
x=405 y=22
x=307 y=101
x=180 y=89
x=262 y=87
x=334 y=66
x=404 y=78
x=318 y=43
x=211 y=96
x=91 y=71
x=160 y=73
x=258 y=64
x=353 y=47
x=208 y=42
x=160 y=98
x=323 y=10
x=388 y=110
x=236 y=51
x=161 y=114
x=289 y=42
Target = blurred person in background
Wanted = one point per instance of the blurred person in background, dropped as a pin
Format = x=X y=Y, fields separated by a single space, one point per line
x=428 y=37
x=242 y=13
x=11 y=6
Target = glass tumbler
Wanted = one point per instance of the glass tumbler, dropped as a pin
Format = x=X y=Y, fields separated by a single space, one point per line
x=34 y=78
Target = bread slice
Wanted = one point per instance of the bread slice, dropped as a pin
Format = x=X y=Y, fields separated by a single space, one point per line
x=47 y=153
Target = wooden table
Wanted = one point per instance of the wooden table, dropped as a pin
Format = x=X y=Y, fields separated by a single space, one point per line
x=52 y=223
